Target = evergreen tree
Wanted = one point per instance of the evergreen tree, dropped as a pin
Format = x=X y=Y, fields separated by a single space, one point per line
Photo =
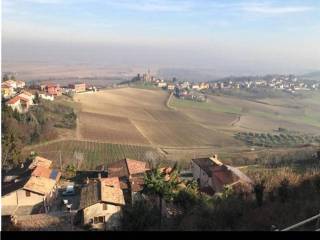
x=10 y=150
x=259 y=190
x=5 y=77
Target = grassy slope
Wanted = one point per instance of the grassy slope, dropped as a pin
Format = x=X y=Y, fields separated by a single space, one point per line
x=211 y=106
x=308 y=116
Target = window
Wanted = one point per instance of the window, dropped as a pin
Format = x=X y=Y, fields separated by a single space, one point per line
x=105 y=206
x=101 y=219
x=28 y=194
x=98 y=219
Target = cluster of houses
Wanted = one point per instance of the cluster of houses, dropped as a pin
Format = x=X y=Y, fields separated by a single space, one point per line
x=194 y=91
x=57 y=90
x=10 y=87
x=30 y=189
x=21 y=102
x=288 y=83
x=33 y=191
x=19 y=99
x=181 y=89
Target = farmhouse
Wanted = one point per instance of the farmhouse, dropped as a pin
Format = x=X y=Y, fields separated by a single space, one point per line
x=20 y=84
x=10 y=83
x=127 y=168
x=131 y=173
x=195 y=86
x=33 y=192
x=46 y=97
x=19 y=104
x=203 y=85
x=7 y=91
x=184 y=84
x=100 y=204
x=78 y=87
x=40 y=161
x=213 y=174
x=28 y=96
x=51 y=89
x=161 y=84
x=170 y=86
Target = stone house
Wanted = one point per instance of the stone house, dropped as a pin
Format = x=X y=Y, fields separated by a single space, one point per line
x=78 y=87
x=212 y=175
x=46 y=97
x=7 y=91
x=19 y=104
x=131 y=175
x=52 y=89
x=100 y=204
x=33 y=192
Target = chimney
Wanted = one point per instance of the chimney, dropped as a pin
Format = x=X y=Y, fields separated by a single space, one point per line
x=215 y=160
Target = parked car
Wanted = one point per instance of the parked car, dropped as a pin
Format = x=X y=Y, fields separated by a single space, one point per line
x=70 y=191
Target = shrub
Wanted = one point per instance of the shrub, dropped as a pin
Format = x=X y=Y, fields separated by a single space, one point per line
x=283 y=190
x=258 y=189
x=140 y=216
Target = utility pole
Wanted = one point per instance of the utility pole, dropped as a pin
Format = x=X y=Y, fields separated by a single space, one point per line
x=60 y=160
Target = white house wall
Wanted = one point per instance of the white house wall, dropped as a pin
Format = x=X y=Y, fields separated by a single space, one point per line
x=198 y=173
x=96 y=210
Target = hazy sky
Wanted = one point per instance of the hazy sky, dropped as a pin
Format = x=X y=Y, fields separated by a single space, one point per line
x=262 y=36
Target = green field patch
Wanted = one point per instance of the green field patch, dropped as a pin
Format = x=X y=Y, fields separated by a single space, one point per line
x=92 y=154
x=211 y=106
x=284 y=139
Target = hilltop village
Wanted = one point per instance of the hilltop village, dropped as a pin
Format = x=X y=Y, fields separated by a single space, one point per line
x=196 y=91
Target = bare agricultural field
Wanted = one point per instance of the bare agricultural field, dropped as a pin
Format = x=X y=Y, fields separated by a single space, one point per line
x=109 y=128
x=248 y=106
x=123 y=97
x=265 y=124
x=182 y=134
x=211 y=118
x=140 y=116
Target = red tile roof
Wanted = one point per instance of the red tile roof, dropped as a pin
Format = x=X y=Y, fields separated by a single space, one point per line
x=50 y=85
x=135 y=166
x=112 y=195
x=41 y=171
x=24 y=99
x=5 y=85
x=9 y=82
x=40 y=161
x=127 y=167
x=27 y=93
x=40 y=185
x=19 y=82
x=14 y=100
